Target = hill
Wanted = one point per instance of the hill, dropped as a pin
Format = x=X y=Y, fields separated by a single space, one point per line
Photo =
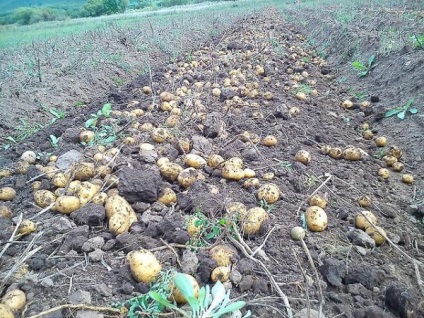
x=10 y=5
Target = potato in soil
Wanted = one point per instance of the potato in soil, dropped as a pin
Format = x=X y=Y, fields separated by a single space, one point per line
x=364 y=218
x=178 y=297
x=221 y=273
x=7 y=194
x=316 y=219
x=44 y=198
x=67 y=204
x=27 y=227
x=374 y=233
x=14 y=299
x=269 y=192
x=224 y=255
x=144 y=265
x=318 y=201
x=6 y=312
x=253 y=221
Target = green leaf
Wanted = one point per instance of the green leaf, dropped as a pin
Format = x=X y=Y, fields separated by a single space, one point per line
x=401 y=115
x=186 y=289
x=230 y=308
x=413 y=110
x=408 y=104
x=363 y=73
x=392 y=112
x=248 y=314
x=106 y=110
x=109 y=140
x=162 y=300
x=90 y=122
x=371 y=60
x=359 y=66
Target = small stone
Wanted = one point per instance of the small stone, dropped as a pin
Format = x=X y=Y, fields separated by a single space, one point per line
x=96 y=255
x=189 y=262
x=89 y=314
x=360 y=238
x=47 y=282
x=246 y=283
x=68 y=158
x=62 y=225
x=103 y=289
x=92 y=244
x=235 y=276
x=80 y=297
x=304 y=314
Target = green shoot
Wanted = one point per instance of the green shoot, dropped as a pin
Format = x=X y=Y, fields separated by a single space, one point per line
x=365 y=69
x=401 y=111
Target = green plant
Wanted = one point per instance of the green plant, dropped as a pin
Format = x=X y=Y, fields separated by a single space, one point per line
x=212 y=303
x=105 y=134
x=104 y=112
x=365 y=69
x=54 y=141
x=266 y=206
x=304 y=88
x=57 y=113
x=79 y=104
x=401 y=111
x=418 y=41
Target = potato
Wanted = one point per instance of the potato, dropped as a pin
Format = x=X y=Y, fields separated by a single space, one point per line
x=183 y=145
x=161 y=161
x=297 y=233
x=119 y=223
x=117 y=204
x=59 y=180
x=325 y=149
x=160 y=135
x=224 y=255
x=147 y=90
x=235 y=162
x=67 y=204
x=173 y=121
x=194 y=226
x=303 y=156
x=178 y=297
x=384 y=173
x=398 y=166
x=146 y=146
x=381 y=141
x=249 y=173
x=395 y=151
x=86 y=191
x=129 y=141
x=7 y=194
x=36 y=185
x=221 y=273
x=318 y=201
x=73 y=185
x=215 y=160
x=44 y=198
x=99 y=198
x=252 y=223
x=301 y=96
x=170 y=171
x=29 y=156
x=194 y=161
x=236 y=209
x=5 y=212
x=368 y=134
x=216 y=92
x=361 y=221
x=5 y=173
x=53 y=158
x=27 y=227
x=86 y=136
x=103 y=171
x=166 y=96
x=374 y=233
x=294 y=111
x=335 y=153
x=390 y=160
x=167 y=196
x=251 y=183
x=21 y=167
x=188 y=176
x=269 y=192
x=144 y=265
x=268 y=176
x=269 y=141
x=146 y=127
x=407 y=178
x=364 y=201
x=83 y=171
x=6 y=312
x=347 y=104
x=58 y=193
x=14 y=299
x=352 y=154
x=232 y=173
x=316 y=219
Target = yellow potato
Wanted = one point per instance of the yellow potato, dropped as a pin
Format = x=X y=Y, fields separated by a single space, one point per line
x=252 y=222
x=6 y=312
x=194 y=161
x=5 y=212
x=407 y=178
x=173 y=121
x=5 y=173
x=381 y=141
x=170 y=171
x=303 y=156
x=67 y=204
x=297 y=233
x=352 y=154
x=364 y=201
x=86 y=136
x=29 y=156
x=14 y=299
x=178 y=297
x=361 y=221
x=21 y=167
x=100 y=198
x=390 y=161
x=83 y=171
x=395 y=151
x=335 y=153
x=268 y=176
x=221 y=273
x=232 y=173
x=318 y=201
x=59 y=180
x=44 y=198
x=166 y=96
x=316 y=219
x=269 y=192
x=7 y=194
x=86 y=191
x=224 y=255
x=183 y=145
x=119 y=223
x=384 y=173
x=194 y=226
x=27 y=227
x=117 y=204
x=251 y=183
x=215 y=160
x=374 y=232
x=270 y=141
x=188 y=176
x=236 y=209
x=167 y=196
x=144 y=265
x=234 y=162
x=249 y=173
x=160 y=135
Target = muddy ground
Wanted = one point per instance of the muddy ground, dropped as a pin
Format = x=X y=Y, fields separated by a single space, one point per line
x=79 y=260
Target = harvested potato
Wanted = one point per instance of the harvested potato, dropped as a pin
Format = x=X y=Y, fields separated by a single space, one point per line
x=7 y=194
x=167 y=196
x=83 y=171
x=384 y=173
x=381 y=141
x=59 y=180
x=178 y=297
x=103 y=171
x=318 y=201
x=235 y=162
x=364 y=219
x=73 y=185
x=144 y=265
x=146 y=90
x=166 y=96
x=58 y=192
x=129 y=141
x=294 y=111
x=27 y=227
x=375 y=233
x=364 y=201
x=232 y=173
x=390 y=160
x=269 y=192
x=86 y=191
x=215 y=160
x=146 y=146
x=6 y=312
x=297 y=233
x=236 y=209
x=303 y=156
x=407 y=178
x=173 y=121
x=183 y=145
x=160 y=135
x=395 y=151
x=119 y=223
x=36 y=185
x=301 y=96
x=117 y=204
x=86 y=136
x=268 y=176
x=221 y=273
x=398 y=166
x=29 y=156
x=5 y=212
x=99 y=198
x=161 y=161
x=224 y=255
x=44 y=198
x=316 y=219
x=194 y=226
x=146 y=127
x=368 y=134
x=352 y=154
x=335 y=153
x=194 y=161
x=189 y=176
x=14 y=299
x=347 y=104
x=21 y=167
x=253 y=221
x=251 y=183
x=170 y=171
x=269 y=141
x=67 y=204
x=53 y=158
x=249 y=173
x=5 y=173
x=325 y=149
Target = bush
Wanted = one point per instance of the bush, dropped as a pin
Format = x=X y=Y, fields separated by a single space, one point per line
x=26 y=15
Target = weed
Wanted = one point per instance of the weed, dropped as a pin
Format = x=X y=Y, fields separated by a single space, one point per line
x=401 y=111
x=105 y=134
x=304 y=88
x=311 y=182
x=266 y=206
x=379 y=154
x=104 y=112
x=365 y=69
x=418 y=41
x=213 y=302
x=57 y=113
x=287 y=165
x=79 y=104
x=359 y=95
x=117 y=81
x=54 y=141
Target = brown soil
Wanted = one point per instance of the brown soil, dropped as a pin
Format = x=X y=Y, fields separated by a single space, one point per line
x=355 y=282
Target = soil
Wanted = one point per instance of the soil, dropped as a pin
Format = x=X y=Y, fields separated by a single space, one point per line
x=79 y=260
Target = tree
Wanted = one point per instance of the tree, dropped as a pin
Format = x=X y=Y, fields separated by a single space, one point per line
x=94 y=8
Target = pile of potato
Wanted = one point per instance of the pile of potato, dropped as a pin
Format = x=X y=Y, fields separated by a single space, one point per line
x=12 y=302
